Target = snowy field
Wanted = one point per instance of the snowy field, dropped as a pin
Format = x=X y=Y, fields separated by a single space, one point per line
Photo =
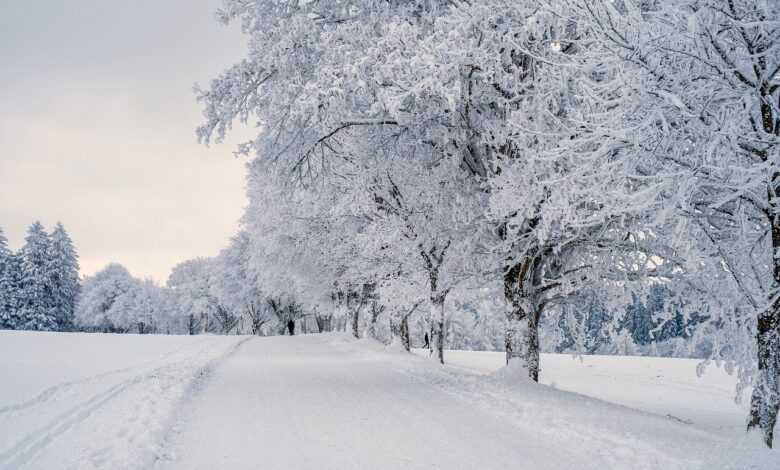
x=75 y=401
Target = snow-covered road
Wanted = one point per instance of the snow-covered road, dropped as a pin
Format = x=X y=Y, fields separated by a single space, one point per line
x=70 y=401
x=311 y=402
x=328 y=402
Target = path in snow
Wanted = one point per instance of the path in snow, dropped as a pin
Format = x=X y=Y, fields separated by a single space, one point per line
x=303 y=402
x=79 y=401
x=327 y=402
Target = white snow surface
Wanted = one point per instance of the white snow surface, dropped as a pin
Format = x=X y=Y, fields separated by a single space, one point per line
x=77 y=401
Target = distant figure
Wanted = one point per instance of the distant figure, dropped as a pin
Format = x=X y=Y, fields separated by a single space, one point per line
x=427 y=342
x=291 y=327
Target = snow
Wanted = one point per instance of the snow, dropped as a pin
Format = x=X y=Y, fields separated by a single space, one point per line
x=658 y=385
x=94 y=401
x=330 y=402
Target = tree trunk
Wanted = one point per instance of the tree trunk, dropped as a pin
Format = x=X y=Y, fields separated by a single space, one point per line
x=323 y=323
x=372 y=323
x=355 y=318
x=765 y=400
x=522 y=330
x=522 y=340
x=437 y=327
x=192 y=325
x=376 y=310
x=403 y=332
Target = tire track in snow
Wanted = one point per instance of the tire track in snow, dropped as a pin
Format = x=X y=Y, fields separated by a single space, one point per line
x=35 y=442
x=51 y=391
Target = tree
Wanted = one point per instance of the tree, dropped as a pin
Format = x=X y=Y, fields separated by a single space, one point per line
x=114 y=301
x=141 y=309
x=572 y=152
x=96 y=305
x=37 y=305
x=226 y=320
x=9 y=285
x=399 y=324
x=424 y=209
x=236 y=285
x=65 y=277
x=6 y=288
x=710 y=77
x=193 y=285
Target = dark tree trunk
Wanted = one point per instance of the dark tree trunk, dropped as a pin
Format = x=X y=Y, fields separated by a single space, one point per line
x=193 y=325
x=765 y=400
x=437 y=327
x=376 y=310
x=522 y=327
x=522 y=341
x=323 y=323
x=399 y=327
x=532 y=345
x=355 y=321
x=403 y=332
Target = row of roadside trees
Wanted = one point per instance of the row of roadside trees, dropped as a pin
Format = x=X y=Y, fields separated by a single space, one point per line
x=524 y=157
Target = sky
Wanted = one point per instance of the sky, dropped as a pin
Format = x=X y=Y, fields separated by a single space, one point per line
x=97 y=129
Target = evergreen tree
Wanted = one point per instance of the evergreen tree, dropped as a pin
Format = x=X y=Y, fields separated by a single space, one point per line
x=6 y=285
x=37 y=312
x=64 y=270
x=13 y=276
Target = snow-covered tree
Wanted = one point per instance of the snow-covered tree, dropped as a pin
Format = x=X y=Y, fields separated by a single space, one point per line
x=193 y=285
x=569 y=151
x=144 y=309
x=95 y=308
x=114 y=301
x=6 y=288
x=37 y=308
x=64 y=269
x=237 y=288
x=707 y=72
x=9 y=285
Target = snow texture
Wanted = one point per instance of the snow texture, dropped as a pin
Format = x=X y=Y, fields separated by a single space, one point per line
x=77 y=401
x=331 y=402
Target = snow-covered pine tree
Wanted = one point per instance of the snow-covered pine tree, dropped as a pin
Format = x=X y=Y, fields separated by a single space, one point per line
x=64 y=270
x=37 y=312
x=8 y=276
x=13 y=274
x=5 y=288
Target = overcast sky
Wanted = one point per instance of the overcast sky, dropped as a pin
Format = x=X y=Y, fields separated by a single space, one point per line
x=97 y=129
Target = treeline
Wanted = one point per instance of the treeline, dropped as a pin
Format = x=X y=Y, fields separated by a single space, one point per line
x=39 y=284
x=552 y=160
x=215 y=296
x=198 y=298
